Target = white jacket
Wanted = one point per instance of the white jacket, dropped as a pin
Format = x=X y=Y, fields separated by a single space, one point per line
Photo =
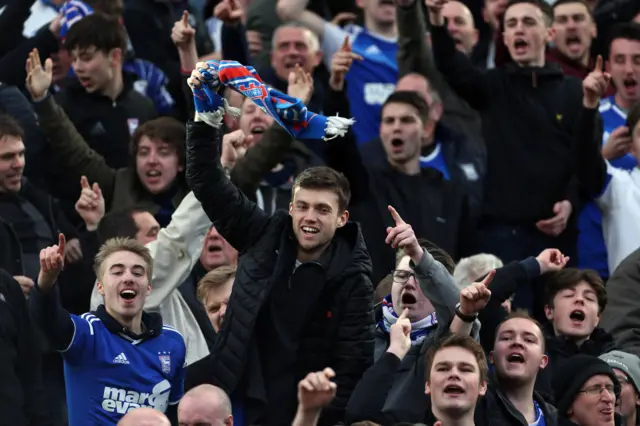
x=175 y=253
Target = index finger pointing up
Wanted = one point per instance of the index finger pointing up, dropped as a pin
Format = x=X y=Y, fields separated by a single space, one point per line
x=404 y=314
x=346 y=45
x=185 y=18
x=598 y=66
x=61 y=243
x=396 y=217
x=487 y=280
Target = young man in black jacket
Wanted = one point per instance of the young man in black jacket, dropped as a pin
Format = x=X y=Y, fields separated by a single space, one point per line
x=21 y=392
x=531 y=116
x=302 y=297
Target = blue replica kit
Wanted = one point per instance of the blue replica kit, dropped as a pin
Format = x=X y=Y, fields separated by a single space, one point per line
x=108 y=373
x=592 y=252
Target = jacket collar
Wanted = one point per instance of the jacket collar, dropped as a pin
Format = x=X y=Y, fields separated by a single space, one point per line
x=152 y=325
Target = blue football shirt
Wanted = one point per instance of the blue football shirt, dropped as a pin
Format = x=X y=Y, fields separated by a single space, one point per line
x=592 y=251
x=107 y=374
x=370 y=81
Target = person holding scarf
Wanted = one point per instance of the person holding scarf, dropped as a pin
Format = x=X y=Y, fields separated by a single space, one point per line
x=423 y=298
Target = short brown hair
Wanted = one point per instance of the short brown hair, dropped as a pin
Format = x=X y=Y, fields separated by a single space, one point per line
x=215 y=279
x=435 y=251
x=118 y=244
x=412 y=99
x=9 y=126
x=522 y=314
x=165 y=129
x=464 y=342
x=97 y=30
x=570 y=278
x=323 y=177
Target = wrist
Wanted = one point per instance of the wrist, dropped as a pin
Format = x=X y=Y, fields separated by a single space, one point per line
x=436 y=19
x=590 y=103
x=398 y=352
x=416 y=255
x=91 y=227
x=464 y=314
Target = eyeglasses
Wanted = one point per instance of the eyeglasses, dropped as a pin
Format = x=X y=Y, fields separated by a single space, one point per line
x=400 y=276
x=597 y=390
x=623 y=379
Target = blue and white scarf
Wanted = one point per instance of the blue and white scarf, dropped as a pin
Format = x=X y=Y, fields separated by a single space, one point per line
x=419 y=329
x=291 y=113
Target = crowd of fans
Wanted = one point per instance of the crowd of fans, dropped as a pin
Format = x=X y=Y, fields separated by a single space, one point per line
x=283 y=212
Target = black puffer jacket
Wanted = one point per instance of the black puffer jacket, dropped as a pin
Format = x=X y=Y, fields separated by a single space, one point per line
x=338 y=329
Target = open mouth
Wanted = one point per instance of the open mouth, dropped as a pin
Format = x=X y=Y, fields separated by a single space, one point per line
x=574 y=41
x=577 y=315
x=128 y=294
x=291 y=65
x=630 y=84
x=607 y=411
x=453 y=390
x=397 y=143
x=258 y=130
x=515 y=358
x=310 y=230
x=214 y=248
x=153 y=174
x=408 y=298
x=520 y=45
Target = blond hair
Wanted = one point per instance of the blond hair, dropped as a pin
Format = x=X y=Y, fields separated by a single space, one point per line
x=119 y=244
x=215 y=279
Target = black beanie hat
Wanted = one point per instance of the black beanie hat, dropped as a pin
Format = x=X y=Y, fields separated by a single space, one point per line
x=572 y=373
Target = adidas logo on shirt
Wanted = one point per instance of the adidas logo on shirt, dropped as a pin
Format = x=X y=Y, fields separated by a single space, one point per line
x=121 y=359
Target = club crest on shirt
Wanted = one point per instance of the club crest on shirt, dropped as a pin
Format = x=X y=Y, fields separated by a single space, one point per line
x=165 y=361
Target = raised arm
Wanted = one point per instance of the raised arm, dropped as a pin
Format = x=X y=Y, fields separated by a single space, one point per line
x=591 y=167
x=342 y=153
x=237 y=219
x=45 y=304
x=464 y=78
x=70 y=151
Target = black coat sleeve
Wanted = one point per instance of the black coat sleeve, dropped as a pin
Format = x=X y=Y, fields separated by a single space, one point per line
x=51 y=317
x=353 y=350
x=342 y=153
x=369 y=396
x=238 y=220
x=28 y=356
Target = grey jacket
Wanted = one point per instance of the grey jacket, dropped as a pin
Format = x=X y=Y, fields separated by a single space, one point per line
x=439 y=287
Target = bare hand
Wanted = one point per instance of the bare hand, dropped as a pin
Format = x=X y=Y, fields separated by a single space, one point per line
x=234 y=147
x=402 y=236
x=341 y=63
x=343 y=18
x=400 y=336
x=434 y=8
x=557 y=224
x=300 y=85
x=55 y=25
x=51 y=264
x=182 y=34
x=38 y=78
x=475 y=297
x=26 y=283
x=551 y=260
x=73 y=251
x=229 y=11
x=618 y=143
x=90 y=206
x=317 y=390
x=595 y=85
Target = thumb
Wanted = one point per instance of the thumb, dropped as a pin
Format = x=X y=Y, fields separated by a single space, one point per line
x=556 y=208
x=84 y=182
x=48 y=66
x=97 y=190
x=291 y=79
x=404 y=314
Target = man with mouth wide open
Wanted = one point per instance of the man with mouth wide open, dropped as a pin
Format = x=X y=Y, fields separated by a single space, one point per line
x=119 y=357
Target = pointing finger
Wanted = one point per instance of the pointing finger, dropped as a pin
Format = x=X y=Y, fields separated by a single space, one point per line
x=61 y=243
x=396 y=217
x=598 y=63
x=404 y=314
x=346 y=45
x=84 y=182
x=487 y=280
x=185 y=18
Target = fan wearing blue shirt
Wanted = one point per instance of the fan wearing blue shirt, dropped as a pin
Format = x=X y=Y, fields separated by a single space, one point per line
x=119 y=357
x=624 y=53
x=371 y=80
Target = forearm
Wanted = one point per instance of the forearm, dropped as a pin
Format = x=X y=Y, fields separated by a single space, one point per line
x=306 y=417
x=52 y=318
x=437 y=284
